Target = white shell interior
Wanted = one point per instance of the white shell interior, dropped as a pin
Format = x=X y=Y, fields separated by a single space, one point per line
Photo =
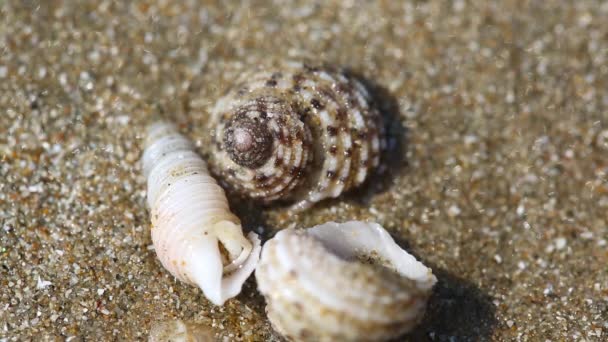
x=349 y=239
x=208 y=273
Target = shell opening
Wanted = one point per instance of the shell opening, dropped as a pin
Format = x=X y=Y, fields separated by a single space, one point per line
x=221 y=281
x=369 y=242
x=234 y=248
x=231 y=261
x=374 y=259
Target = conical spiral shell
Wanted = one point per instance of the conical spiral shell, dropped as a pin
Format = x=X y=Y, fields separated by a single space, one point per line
x=319 y=284
x=195 y=235
x=298 y=133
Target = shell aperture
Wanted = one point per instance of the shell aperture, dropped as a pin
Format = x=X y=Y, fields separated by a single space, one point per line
x=299 y=134
x=196 y=237
x=320 y=285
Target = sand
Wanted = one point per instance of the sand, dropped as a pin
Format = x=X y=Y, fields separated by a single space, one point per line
x=498 y=175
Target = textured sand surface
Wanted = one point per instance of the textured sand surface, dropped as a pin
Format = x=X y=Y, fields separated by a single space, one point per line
x=498 y=175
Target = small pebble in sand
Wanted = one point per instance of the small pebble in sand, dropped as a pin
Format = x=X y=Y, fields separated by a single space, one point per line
x=180 y=331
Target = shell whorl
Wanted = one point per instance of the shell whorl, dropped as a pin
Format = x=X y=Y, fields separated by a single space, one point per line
x=320 y=286
x=248 y=140
x=196 y=236
x=300 y=134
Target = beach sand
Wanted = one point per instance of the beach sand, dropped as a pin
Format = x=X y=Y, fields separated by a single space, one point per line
x=497 y=176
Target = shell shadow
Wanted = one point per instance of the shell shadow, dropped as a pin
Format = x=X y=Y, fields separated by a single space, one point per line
x=393 y=160
x=251 y=215
x=458 y=310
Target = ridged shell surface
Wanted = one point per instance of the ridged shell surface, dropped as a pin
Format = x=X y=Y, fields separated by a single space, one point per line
x=298 y=133
x=195 y=235
x=342 y=282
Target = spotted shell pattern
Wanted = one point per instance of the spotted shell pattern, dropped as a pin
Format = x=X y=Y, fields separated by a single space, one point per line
x=299 y=133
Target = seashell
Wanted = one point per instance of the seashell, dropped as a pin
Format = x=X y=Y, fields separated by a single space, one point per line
x=299 y=134
x=342 y=282
x=195 y=235
x=180 y=331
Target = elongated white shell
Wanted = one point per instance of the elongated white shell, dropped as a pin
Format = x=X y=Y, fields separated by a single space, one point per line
x=195 y=235
x=320 y=286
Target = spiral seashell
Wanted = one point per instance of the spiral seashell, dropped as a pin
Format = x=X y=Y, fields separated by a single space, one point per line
x=195 y=235
x=342 y=282
x=300 y=134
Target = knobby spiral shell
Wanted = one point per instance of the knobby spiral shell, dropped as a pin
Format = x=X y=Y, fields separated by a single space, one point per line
x=319 y=283
x=195 y=235
x=299 y=134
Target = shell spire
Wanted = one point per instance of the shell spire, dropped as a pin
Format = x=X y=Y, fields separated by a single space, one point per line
x=298 y=134
x=196 y=237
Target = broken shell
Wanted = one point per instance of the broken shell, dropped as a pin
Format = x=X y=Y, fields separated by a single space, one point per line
x=195 y=235
x=342 y=282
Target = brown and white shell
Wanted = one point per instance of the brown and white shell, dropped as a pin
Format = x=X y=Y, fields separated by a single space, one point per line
x=342 y=282
x=298 y=133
